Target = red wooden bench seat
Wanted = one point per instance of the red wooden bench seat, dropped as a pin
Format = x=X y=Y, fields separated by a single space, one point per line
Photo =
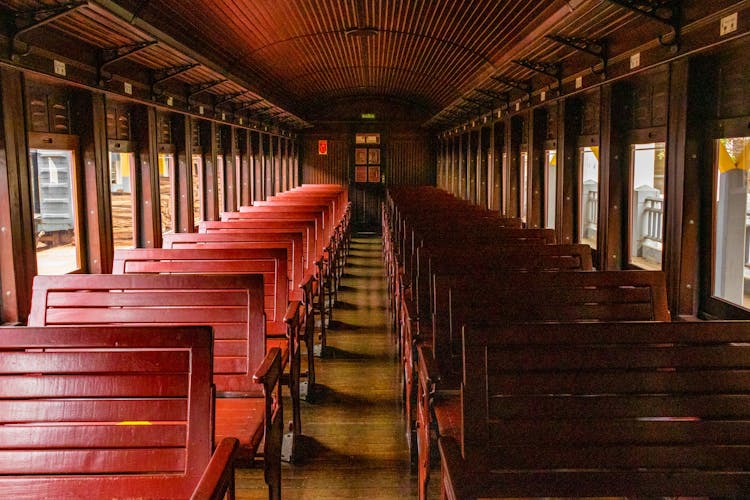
x=291 y=241
x=282 y=329
x=304 y=289
x=232 y=305
x=519 y=297
x=307 y=228
x=121 y=412
x=602 y=409
x=474 y=264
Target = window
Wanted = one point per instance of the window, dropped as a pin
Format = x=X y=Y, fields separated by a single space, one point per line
x=121 y=168
x=523 y=194
x=647 y=163
x=550 y=187
x=166 y=199
x=588 y=210
x=731 y=277
x=197 y=171
x=56 y=231
x=367 y=158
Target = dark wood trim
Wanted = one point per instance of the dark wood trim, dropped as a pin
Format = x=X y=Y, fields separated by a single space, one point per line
x=90 y=124
x=147 y=207
x=537 y=138
x=209 y=153
x=246 y=171
x=483 y=169
x=674 y=204
x=613 y=181
x=513 y=137
x=569 y=123
x=233 y=170
x=258 y=166
x=182 y=136
x=18 y=256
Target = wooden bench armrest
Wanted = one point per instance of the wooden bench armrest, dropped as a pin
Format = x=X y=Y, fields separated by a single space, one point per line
x=269 y=372
x=427 y=369
x=307 y=281
x=460 y=479
x=219 y=474
x=291 y=317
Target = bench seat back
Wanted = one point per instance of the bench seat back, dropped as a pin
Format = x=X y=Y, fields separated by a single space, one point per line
x=117 y=411
x=629 y=409
x=270 y=263
x=232 y=305
x=540 y=296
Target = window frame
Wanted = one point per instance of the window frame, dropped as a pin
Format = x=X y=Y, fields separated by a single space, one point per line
x=65 y=142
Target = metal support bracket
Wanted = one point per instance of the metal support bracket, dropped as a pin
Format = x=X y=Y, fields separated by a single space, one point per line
x=34 y=19
x=203 y=87
x=166 y=74
x=664 y=12
x=112 y=55
x=523 y=86
x=249 y=104
x=596 y=48
x=497 y=96
x=552 y=70
x=227 y=98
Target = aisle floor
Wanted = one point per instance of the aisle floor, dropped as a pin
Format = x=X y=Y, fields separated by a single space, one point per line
x=353 y=442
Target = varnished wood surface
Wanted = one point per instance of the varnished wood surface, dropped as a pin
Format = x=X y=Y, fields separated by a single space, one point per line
x=354 y=442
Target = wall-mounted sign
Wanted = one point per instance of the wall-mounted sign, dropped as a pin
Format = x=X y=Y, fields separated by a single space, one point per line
x=323 y=147
x=368 y=116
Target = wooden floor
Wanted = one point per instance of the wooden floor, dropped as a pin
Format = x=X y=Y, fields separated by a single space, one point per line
x=354 y=444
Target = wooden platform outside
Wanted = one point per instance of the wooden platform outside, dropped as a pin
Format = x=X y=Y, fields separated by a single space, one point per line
x=353 y=442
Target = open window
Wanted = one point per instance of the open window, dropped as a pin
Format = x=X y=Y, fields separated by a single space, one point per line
x=646 y=221
x=57 y=234
x=588 y=210
x=731 y=276
x=524 y=186
x=550 y=188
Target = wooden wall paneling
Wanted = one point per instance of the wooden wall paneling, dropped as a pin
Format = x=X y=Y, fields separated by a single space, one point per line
x=148 y=215
x=233 y=169
x=182 y=133
x=209 y=148
x=483 y=166
x=679 y=252
x=498 y=187
x=90 y=124
x=297 y=164
x=257 y=152
x=569 y=125
x=246 y=173
x=453 y=165
x=472 y=151
x=537 y=131
x=268 y=168
x=17 y=253
x=513 y=137
x=278 y=162
x=332 y=168
x=613 y=180
x=408 y=159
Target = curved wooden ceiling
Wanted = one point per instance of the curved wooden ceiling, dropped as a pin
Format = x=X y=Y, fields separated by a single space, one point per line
x=442 y=57
x=428 y=52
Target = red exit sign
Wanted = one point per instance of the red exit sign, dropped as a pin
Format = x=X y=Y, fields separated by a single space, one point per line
x=323 y=147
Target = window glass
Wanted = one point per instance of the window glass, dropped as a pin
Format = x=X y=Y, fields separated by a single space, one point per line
x=647 y=204
x=550 y=187
x=166 y=202
x=731 y=279
x=197 y=170
x=121 y=168
x=588 y=210
x=55 y=214
x=523 y=194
